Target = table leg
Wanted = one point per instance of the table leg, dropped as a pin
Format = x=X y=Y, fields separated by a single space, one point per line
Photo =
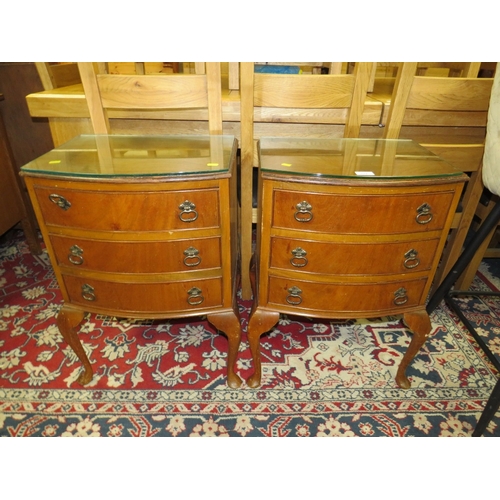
x=420 y=325
x=229 y=323
x=68 y=320
x=260 y=322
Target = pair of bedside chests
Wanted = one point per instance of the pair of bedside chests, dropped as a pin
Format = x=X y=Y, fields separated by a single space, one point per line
x=147 y=227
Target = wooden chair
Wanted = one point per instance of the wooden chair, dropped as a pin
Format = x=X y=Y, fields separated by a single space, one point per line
x=149 y=93
x=448 y=116
x=310 y=99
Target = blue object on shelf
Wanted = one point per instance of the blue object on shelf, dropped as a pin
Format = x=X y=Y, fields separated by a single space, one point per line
x=275 y=68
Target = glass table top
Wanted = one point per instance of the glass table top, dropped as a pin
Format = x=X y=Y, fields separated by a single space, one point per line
x=136 y=156
x=352 y=158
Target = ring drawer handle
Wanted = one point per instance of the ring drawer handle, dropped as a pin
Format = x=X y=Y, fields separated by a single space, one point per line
x=299 y=257
x=188 y=212
x=294 y=298
x=88 y=292
x=60 y=201
x=411 y=260
x=192 y=258
x=400 y=297
x=76 y=255
x=195 y=297
x=424 y=214
x=304 y=212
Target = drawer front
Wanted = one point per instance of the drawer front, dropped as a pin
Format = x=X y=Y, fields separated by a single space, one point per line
x=360 y=214
x=168 y=298
x=353 y=258
x=129 y=211
x=354 y=300
x=137 y=256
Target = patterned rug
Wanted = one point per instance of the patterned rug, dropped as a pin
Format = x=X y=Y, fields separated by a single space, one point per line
x=167 y=378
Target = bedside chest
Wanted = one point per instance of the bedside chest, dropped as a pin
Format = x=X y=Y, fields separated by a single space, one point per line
x=141 y=227
x=349 y=228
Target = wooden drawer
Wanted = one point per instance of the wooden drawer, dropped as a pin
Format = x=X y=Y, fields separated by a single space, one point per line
x=129 y=211
x=353 y=258
x=137 y=256
x=348 y=300
x=132 y=297
x=361 y=214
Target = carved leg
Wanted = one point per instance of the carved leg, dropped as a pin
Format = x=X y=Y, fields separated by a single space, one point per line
x=260 y=322
x=420 y=325
x=229 y=323
x=68 y=320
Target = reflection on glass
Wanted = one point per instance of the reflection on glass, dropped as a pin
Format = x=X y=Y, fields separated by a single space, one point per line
x=368 y=158
x=131 y=155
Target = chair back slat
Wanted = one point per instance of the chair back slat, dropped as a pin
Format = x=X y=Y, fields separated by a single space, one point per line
x=200 y=92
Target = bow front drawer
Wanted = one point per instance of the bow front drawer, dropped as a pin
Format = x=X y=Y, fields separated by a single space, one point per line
x=169 y=298
x=129 y=211
x=137 y=256
x=346 y=299
x=367 y=213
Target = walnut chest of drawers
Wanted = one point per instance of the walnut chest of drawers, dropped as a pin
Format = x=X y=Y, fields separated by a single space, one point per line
x=349 y=228
x=141 y=226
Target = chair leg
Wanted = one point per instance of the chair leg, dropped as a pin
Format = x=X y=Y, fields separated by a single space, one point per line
x=489 y=411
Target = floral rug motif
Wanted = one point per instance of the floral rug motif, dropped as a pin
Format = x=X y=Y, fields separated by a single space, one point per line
x=167 y=378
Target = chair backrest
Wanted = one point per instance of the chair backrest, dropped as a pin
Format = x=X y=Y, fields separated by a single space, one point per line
x=280 y=97
x=106 y=92
x=436 y=101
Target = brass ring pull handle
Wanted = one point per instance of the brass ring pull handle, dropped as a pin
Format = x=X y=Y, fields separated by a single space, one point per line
x=294 y=298
x=60 y=201
x=424 y=214
x=299 y=257
x=88 y=292
x=191 y=258
x=400 y=297
x=75 y=255
x=411 y=259
x=195 y=297
x=304 y=212
x=188 y=212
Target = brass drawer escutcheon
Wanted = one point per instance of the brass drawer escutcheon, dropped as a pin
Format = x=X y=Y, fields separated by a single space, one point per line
x=195 y=297
x=299 y=257
x=424 y=214
x=304 y=212
x=60 y=201
x=411 y=260
x=88 y=292
x=294 y=298
x=76 y=255
x=192 y=257
x=400 y=297
x=188 y=212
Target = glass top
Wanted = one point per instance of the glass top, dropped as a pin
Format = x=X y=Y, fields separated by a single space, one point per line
x=353 y=158
x=136 y=156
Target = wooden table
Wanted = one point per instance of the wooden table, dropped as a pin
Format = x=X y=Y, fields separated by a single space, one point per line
x=349 y=228
x=141 y=227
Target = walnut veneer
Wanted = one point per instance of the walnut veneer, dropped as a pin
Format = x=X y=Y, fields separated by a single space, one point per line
x=141 y=227
x=349 y=228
